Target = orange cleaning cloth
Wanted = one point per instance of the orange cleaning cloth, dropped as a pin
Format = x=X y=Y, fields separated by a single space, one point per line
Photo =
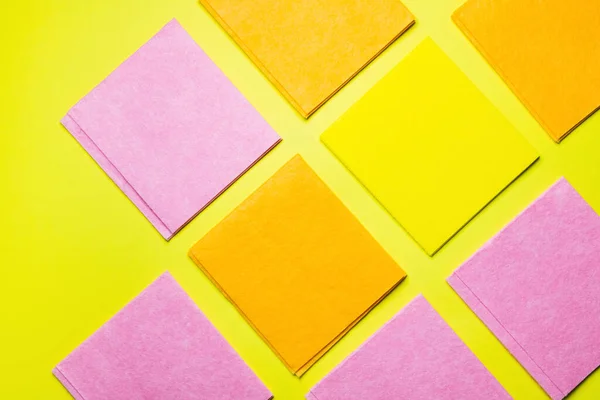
x=309 y=49
x=297 y=265
x=547 y=51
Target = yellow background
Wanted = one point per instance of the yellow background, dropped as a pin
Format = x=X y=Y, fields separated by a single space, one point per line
x=74 y=250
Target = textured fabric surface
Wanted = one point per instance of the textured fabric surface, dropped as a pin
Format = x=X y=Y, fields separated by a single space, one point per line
x=310 y=48
x=415 y=356
x=429 y=146
x=535 y=285
x=546 y=51
x=170 y=129
x=160 y=346
x=297 y=264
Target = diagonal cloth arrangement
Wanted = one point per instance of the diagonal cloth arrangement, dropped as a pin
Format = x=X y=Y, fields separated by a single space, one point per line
x=416 y=355
x=433 y=158
x=546 y=51
x=535 y=286
x=297 y=265
x=309 y=49
x=160 y=346
x=173 y=133
x=170 y=129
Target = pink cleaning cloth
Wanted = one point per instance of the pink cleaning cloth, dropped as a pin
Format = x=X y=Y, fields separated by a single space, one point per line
x=536 y=285
x=170 y=129
x=414 y=356
x=160 y=346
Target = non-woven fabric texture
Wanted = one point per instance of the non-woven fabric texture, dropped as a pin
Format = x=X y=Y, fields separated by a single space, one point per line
x=159 y=346
x=170 y=129
x=415 y=356
x=309 y=49
x=429 y=146
x=535 y=286
x=297 y=265
x=546 y=51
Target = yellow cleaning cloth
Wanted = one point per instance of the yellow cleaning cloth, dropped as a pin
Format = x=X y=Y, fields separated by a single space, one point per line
x=429 y=146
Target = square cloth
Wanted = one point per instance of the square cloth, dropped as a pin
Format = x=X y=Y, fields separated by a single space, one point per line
x=415 y=356
x=429 y=146
x=535 y=286
x=297 y=264
x=309 y=49
x=547 y=51
x=159 y=346
x=170 y=129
